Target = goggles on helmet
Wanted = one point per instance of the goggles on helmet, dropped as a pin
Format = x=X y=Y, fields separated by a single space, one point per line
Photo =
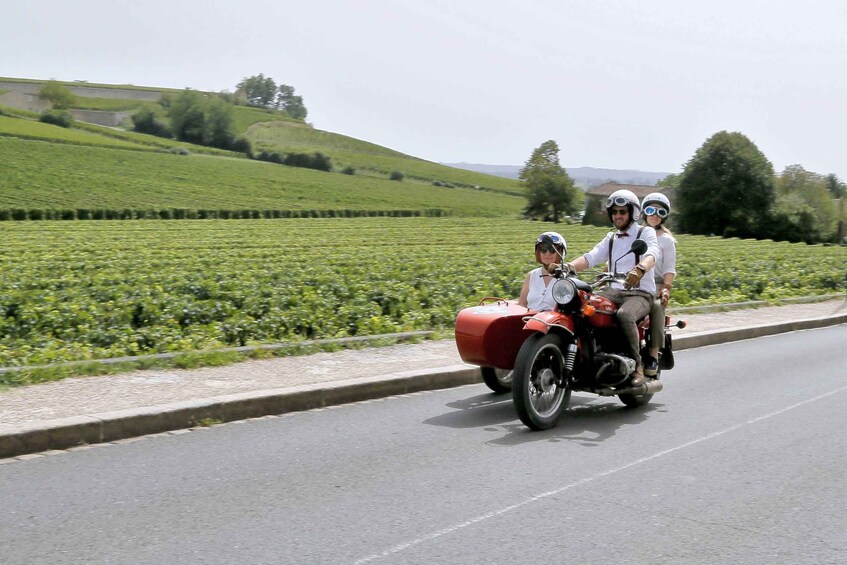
x=617 y=201
x=656 y=211
x=552 y=237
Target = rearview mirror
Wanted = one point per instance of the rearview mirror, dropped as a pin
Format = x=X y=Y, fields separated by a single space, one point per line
x=639 y=246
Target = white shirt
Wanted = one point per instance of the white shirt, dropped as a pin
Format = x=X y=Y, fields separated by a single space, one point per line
x=540 y=297
x=620 y=248
x=666 y=261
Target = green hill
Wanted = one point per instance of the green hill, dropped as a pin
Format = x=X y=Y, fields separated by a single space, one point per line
x=95 y=167
x=50 y=175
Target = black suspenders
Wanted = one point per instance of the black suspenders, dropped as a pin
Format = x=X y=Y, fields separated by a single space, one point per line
x=612 y=243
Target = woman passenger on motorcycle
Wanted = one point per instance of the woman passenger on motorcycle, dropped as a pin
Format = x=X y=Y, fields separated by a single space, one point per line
x=535 y=293
x=656 y=208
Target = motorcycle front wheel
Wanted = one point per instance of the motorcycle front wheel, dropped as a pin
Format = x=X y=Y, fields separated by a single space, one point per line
x=498 y=380
x=537 y=391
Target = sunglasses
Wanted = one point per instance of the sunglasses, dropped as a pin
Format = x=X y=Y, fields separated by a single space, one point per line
x=545 y=248
x=620 y=212
x=656 y=211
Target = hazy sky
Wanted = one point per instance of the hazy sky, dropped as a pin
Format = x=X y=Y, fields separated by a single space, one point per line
x=617 y=84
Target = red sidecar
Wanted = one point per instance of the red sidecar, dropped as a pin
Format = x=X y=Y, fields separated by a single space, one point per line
x=490 y=335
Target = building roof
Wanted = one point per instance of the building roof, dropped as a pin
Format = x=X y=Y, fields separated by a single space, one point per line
x=608 y=188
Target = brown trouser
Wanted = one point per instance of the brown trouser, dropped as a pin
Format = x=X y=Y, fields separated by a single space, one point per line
x=632 y=306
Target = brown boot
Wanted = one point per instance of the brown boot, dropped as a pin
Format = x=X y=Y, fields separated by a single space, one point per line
x=637 y=377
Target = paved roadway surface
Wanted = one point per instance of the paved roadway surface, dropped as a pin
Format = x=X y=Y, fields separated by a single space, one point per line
x=739 y=460
x=77 y=411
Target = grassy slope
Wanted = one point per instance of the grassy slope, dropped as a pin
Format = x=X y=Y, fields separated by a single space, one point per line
x=29 y=129
x=50 y=175
x=361 y=155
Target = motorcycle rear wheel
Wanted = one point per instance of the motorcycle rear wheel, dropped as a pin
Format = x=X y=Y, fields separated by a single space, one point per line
x=498 y=380
x=538 y=396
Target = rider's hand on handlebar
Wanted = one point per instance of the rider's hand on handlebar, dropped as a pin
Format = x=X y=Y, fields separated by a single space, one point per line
x=568 y=269
x=554 y=269
x=633 y=276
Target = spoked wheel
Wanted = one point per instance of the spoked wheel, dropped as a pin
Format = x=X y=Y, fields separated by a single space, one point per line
x=635 y=400
x=498 y=380
x=539 y=396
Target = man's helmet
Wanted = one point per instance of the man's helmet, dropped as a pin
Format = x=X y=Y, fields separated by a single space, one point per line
x=624 y=198
x=659 y=202
x=551 y=238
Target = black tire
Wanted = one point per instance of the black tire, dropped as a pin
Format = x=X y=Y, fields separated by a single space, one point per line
x=539 y=400
x=636 y=400
x=498 y=380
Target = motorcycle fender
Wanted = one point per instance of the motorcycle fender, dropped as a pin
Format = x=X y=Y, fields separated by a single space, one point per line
x=544 y=321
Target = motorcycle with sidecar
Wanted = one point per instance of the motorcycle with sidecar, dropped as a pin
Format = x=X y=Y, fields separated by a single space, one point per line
x=542 y=357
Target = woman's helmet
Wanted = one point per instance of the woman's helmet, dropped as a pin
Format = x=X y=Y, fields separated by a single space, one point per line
x=624 y=198
x=554 y=239
x=656 y=203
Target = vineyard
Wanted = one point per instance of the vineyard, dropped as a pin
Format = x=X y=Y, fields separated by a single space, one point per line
x=87 y=290
x=58 y=176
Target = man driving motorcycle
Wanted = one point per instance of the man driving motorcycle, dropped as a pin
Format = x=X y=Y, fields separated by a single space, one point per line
x=634 y=297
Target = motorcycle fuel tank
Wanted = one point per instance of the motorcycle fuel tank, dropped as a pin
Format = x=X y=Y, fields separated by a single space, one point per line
x=604 y=312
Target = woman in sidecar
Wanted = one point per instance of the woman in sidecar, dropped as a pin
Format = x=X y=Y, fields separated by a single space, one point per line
x=493 y=331
x=550 y=251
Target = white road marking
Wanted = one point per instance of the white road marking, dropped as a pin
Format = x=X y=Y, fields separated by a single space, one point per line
x=495 y=513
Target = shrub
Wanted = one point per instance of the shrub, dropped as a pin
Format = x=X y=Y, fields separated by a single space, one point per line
x=348 y=171
x=397 y=175
x=57 y=118
x=242 y=145
x=147 y=120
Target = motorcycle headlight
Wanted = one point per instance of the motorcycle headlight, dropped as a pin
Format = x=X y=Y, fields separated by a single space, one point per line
x=563 y=291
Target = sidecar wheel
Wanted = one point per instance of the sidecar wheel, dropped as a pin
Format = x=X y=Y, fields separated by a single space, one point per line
x=498 y=380
x=636 y=400
x=538 y=395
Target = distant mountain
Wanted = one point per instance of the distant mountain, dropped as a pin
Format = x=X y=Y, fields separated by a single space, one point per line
x=584 y=177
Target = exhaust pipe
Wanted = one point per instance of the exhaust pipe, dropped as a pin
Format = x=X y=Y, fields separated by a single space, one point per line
x=649 y=387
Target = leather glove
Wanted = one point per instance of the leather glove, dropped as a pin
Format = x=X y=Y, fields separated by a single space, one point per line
x=568 y=269
x=633 y=276
x=664 y=296
x=554 y=269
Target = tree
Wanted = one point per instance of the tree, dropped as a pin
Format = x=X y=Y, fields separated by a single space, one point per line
x=803 y=194
x=835 y=186
x=186 y=114
x=727 y=188
x=60 y=96
x=218 y=124
x=550 y=191
x=196 y=118
x=288 y=102
x=258 y=90
x=147 y=119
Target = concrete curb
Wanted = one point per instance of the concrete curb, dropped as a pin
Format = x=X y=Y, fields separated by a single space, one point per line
x=112 y=426
x=748 y=332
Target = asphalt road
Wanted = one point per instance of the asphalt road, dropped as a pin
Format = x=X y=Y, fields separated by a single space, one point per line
x=741 y=459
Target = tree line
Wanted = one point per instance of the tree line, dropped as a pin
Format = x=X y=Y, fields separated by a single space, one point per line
x=207 y=119
x=728 y=188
